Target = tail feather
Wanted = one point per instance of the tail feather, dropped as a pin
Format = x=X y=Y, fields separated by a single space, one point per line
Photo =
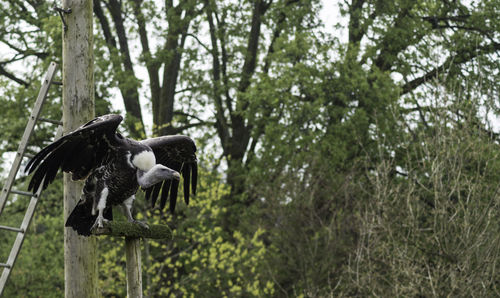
x=81 y=218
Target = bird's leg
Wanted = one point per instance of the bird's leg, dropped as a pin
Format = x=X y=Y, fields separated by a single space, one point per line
x=94 y=207
x=101 y=205
x=89 y=193
x=127 y=209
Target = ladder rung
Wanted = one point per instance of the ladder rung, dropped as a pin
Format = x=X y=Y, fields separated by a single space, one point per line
x=5 y=265
x=11 y=229
x=24 y=193
x=57 y=83
x=50 y=121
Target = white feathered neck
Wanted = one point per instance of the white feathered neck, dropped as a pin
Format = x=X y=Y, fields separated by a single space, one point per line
x=144 y=160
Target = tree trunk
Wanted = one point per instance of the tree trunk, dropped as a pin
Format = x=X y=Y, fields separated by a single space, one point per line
x=128 y=90
x=163 y=106
x=240 y=129
x=80 y=258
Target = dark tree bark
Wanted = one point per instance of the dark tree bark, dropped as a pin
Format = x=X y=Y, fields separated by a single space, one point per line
x=152 y=64
x=234 y=132
x=129 y=90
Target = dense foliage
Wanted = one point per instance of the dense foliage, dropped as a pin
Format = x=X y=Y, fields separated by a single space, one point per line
x=356 y=164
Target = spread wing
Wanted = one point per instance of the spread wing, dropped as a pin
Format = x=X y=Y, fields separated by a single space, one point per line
x=177 y=153
x=78 y=152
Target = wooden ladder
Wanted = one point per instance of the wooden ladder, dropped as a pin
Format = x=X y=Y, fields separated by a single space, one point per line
x=7 y=188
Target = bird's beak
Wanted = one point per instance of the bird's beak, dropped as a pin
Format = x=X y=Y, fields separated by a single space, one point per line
x=176 y=175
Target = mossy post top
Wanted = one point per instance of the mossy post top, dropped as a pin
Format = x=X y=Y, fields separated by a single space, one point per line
x=132 y=230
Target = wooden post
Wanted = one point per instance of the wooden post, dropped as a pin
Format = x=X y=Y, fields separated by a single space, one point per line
x=132 y=233
x=134 y=272
x=80 y=253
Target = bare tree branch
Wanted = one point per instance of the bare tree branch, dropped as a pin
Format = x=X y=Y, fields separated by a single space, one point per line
x=224 y=57
x=128 y=90
x=152 y=65
x=11 y=76
x=108 y=37
x=221 y=123
x=199 y=41
x=461 y=57
x=182 y=113
x=177 y=130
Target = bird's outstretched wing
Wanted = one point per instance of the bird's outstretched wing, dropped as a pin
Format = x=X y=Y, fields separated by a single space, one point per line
x=78 y=152
x=177 y=153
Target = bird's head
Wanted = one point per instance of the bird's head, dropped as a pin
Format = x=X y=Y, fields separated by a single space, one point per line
x=162 y=172
x=156 y=174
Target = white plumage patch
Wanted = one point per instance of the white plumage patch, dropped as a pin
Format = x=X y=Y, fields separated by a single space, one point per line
x=144 y=160
x=129 y=161
x=102 y=200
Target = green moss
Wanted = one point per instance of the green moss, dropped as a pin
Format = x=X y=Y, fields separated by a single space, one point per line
x=127 y=229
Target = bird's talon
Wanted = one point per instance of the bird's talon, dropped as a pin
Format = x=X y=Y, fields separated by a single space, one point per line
x=99 y=224
x=94 y=227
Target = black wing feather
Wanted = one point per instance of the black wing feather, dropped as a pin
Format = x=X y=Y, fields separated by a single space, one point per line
x=38 y=158
x=46 y=169
x=194 y=176
x=173 y=195
x=51 y=173
x=71 y=163
x=164 y=193
x=186 y=174
x=156 y=191
x=148 y=193
x=78 y=152
x=177 y=153
x=85 y=162
x=37 y=178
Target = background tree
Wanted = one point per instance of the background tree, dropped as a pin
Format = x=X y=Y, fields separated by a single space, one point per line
x=354 y=165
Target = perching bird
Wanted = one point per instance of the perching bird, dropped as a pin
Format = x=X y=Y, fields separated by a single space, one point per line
x=114 y=167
